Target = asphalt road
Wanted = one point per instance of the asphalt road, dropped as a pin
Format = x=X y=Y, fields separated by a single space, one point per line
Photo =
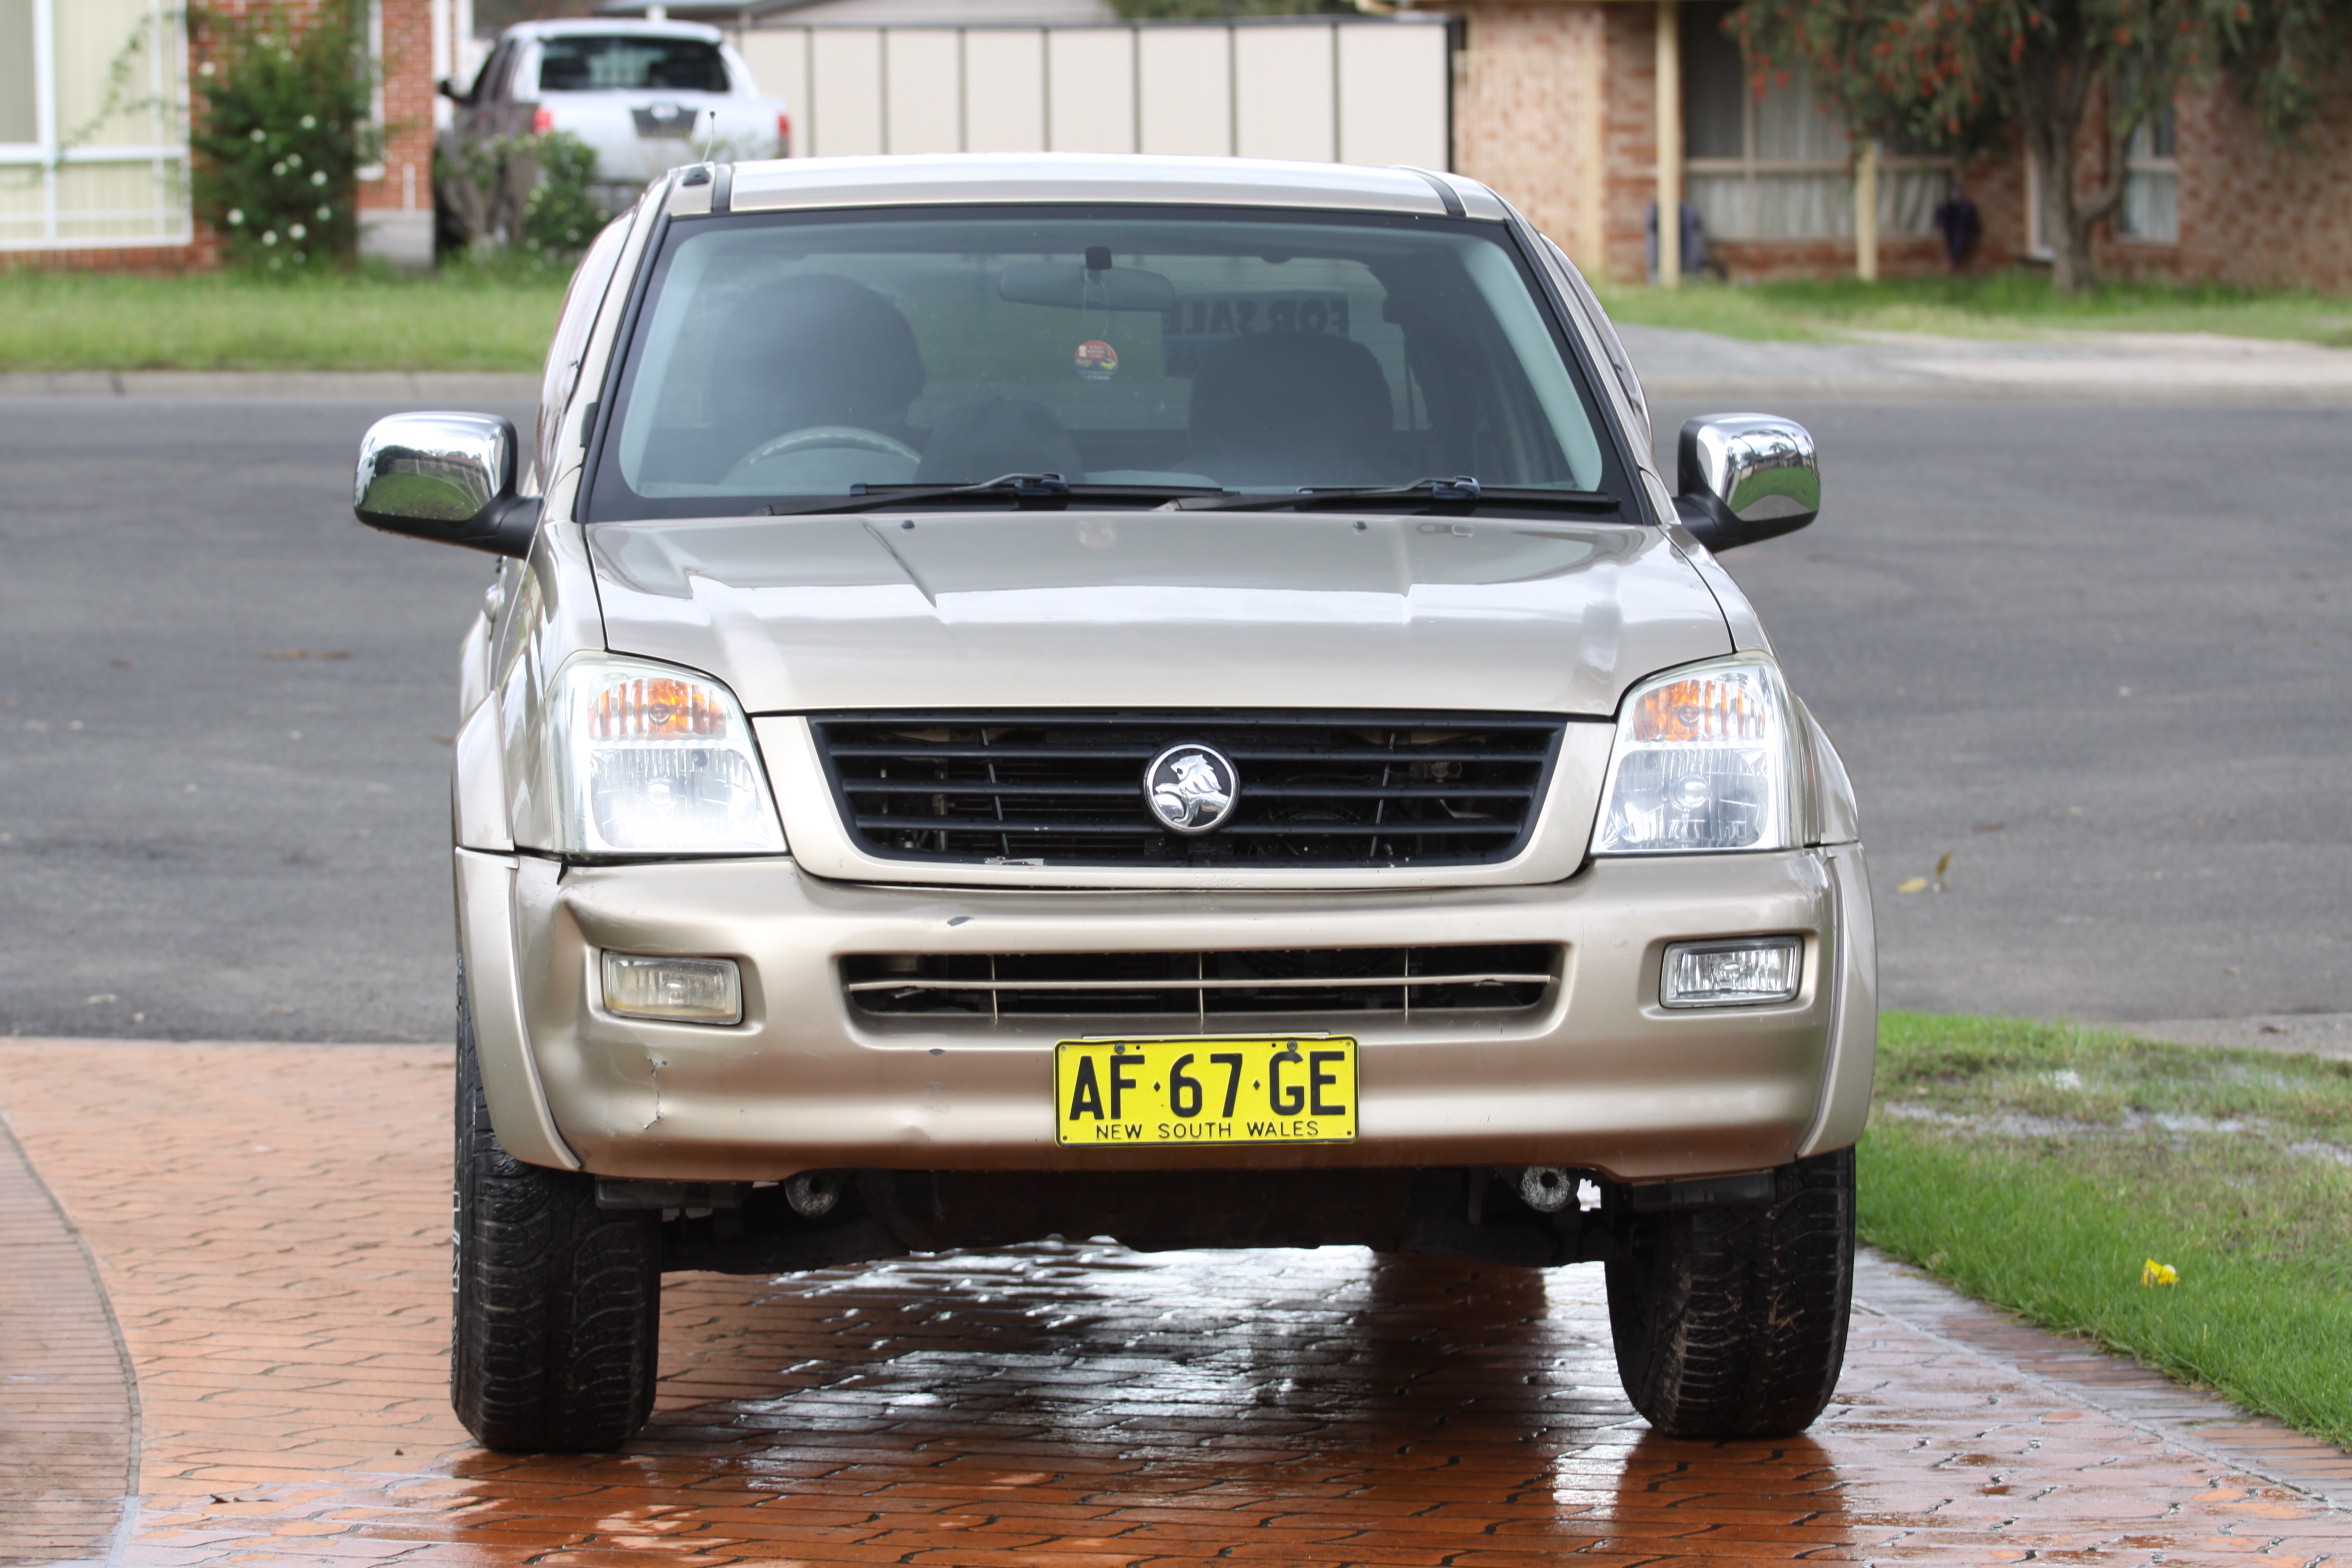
x=2097 y=655
x=224 y=721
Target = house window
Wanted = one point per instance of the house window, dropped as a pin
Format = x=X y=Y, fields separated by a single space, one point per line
x=93 y=149
x=2151 y=183
x=1779 y=166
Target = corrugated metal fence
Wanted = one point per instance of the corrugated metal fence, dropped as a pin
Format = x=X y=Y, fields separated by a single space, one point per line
x=1348 y=91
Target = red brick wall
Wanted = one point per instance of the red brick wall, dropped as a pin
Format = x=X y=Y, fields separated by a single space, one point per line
x=2253 y=214
x=1630 y=135
x=408 y=110
x=1526 y=121
x=1525 y=109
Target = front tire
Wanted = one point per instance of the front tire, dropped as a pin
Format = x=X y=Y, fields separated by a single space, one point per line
x=1731 y=1321
x=557 y=1311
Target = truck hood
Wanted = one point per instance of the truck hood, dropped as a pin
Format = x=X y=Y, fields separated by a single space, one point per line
x=1157 y=610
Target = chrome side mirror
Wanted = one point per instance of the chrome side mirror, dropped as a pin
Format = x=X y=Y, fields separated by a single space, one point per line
x=1746 y=477
x=445 y=477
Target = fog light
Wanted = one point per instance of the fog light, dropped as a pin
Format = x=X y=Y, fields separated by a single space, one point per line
x=692 y=990
x=1745 y=973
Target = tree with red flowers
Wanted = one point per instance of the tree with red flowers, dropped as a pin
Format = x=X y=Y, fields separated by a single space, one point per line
x=1959 y=75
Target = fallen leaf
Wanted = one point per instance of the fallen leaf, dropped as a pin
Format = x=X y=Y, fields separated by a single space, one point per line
x=1912 y=885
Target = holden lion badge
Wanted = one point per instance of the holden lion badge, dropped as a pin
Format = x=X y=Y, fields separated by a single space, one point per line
x=1191 y=788
x=1096 y=360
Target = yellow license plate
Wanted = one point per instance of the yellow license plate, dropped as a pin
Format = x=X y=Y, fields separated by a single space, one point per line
x=1205 y=1091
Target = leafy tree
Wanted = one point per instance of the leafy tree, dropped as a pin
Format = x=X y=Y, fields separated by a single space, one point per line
x=282 y=131
x=1961 y=75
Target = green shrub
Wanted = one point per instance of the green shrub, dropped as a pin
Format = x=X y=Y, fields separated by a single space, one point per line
x=559 y=216
x=520 y=199
x=282 y=131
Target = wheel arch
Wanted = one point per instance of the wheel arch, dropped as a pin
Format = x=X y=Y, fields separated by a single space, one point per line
x=494 y=1004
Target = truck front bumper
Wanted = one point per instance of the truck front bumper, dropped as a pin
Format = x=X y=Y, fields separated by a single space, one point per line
x=1598 y=1077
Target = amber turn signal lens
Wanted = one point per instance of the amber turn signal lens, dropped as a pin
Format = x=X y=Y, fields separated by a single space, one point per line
x=1700 y=711
x=657 y=709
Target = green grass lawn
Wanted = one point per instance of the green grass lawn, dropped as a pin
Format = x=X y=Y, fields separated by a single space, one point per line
x=460 y=319
x=467 y=318
x=1997 y=305
x=2040 y=1168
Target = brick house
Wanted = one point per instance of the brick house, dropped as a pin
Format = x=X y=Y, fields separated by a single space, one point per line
x=1558 y=104
x=94 y=99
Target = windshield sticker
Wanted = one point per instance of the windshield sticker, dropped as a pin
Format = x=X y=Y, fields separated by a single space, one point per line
x=1096 y=360
x=1199 y=322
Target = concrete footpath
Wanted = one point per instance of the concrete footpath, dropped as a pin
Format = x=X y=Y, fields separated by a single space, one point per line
x=2120 y=367
x=227 y=1345
x=2117 y=367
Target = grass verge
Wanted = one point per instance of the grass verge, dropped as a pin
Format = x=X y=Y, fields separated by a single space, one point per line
x=459 y=319
x=1995 y=305
x=2041 y=1167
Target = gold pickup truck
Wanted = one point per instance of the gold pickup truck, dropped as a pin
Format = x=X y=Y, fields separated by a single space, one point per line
x=1163 y=699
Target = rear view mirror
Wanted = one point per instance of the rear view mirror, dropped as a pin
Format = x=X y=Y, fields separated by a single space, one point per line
x=1070 y=286
x=445 y=477
x=1745 y=477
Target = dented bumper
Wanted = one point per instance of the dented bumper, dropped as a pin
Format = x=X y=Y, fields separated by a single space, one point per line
x=1597 y=1076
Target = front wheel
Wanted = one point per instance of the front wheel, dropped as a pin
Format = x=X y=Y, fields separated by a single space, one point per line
x=1731 y=1321
x=557 y=1316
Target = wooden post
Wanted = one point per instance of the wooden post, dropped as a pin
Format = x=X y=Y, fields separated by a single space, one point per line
x=1669 y=138
x=1866 y=212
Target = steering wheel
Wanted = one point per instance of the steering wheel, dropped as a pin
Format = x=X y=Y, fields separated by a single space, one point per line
x=829 y=437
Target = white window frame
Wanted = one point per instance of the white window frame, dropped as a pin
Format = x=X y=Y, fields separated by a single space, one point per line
x=2037 y=244
x=42 y=158
x=1751 y=169
x=2139 y=166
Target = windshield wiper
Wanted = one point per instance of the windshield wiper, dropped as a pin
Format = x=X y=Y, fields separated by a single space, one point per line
x=1038 y=492
x=1458 y=494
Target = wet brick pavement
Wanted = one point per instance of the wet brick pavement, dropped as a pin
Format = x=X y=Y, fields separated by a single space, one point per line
x=269 y=1223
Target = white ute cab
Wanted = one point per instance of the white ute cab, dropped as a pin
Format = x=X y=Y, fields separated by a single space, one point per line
x=648 y=96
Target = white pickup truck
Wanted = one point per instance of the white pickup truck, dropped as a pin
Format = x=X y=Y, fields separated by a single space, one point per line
x=647 y=96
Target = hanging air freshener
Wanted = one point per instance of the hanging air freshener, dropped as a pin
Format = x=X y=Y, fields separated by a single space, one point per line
x=1096 y=360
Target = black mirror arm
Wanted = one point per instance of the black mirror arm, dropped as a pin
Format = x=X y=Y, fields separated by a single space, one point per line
x=1711 y=522
x=506 y=527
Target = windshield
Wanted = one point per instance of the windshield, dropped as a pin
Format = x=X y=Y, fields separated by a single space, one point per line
x=795 y=357
x=575 y=64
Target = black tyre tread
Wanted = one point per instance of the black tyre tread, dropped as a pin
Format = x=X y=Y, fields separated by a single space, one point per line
x=1731 y=1321
x=556 y=1304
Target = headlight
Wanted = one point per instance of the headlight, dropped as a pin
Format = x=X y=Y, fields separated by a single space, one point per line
x=655 y=760
x=1703 y=761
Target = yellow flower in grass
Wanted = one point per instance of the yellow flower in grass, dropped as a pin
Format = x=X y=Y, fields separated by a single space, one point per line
x=2154 y=1273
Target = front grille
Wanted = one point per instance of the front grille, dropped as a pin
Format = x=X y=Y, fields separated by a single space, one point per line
x=1393 y=981
x=1066 y=789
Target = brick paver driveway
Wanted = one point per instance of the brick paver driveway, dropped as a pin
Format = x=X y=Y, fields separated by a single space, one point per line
x=269 y=1225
